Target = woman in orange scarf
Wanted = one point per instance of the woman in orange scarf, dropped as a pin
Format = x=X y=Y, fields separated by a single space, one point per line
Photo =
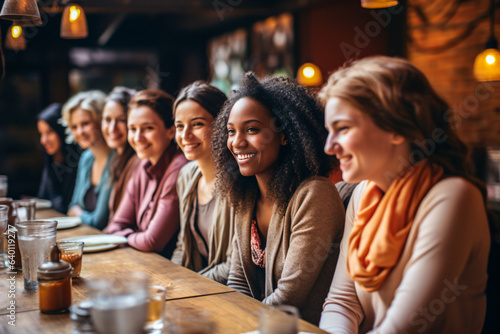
x=416 y=242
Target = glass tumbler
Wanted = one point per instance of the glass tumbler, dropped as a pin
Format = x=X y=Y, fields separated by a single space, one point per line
x=35 y=239
x=120 y=303
x=4 y=218
x=26 y=209
x=3 y=185
x=72 y=252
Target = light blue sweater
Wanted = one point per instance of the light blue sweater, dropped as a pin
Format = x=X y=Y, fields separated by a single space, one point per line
x=99 y=217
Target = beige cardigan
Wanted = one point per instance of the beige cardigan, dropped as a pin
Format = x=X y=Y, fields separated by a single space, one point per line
x=301 y=251
x=220 y=234
x=438 y=285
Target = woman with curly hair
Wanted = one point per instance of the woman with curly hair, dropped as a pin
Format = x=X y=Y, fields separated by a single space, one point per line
x=114 y=130
x=207 y=222
x=83 y=114
x=270 y=164
x=415 y=249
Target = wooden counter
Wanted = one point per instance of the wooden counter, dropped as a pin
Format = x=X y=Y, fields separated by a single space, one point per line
x=232 y=311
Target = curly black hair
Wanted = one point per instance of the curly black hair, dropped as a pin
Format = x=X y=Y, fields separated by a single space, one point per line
x=298 y=115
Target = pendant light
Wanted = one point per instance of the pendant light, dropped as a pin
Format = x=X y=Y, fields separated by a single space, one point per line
x=371 y=4
x=15 y=38
x=309 y=75
x=73 y=23
x=25 y=12
x=487 y=63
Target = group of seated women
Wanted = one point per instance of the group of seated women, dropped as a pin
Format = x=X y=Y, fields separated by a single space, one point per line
x=254 y=208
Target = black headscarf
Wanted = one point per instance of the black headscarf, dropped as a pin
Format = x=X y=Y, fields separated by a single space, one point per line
x=58 y=179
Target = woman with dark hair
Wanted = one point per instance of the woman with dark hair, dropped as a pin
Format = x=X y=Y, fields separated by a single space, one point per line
x=90 y=202
x=60 y=162
x=207 y=222
x=270 y=165
x=416 y=242
x=114 y=130
x=148 y=214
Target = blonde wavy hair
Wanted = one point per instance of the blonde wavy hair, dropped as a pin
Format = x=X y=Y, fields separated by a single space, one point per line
x=92 y=101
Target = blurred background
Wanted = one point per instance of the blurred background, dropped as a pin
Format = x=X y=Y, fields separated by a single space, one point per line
x=168 y=44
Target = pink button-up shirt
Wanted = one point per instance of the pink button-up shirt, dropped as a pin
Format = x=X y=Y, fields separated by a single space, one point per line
x=148 y=214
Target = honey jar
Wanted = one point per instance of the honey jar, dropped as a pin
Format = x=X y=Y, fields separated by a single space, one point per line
x=54 y=284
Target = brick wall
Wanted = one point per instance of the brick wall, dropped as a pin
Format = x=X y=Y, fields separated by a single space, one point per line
x=433 y=24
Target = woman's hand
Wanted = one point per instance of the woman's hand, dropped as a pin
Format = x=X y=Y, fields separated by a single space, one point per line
x=75 y=211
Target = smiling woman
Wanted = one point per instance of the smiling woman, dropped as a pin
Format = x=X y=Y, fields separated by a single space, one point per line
x=207 y=220
x=415 y=248
x=60 y=162
x=114 y=130
x=271 y=167
x=148 y=214
x=83 y=113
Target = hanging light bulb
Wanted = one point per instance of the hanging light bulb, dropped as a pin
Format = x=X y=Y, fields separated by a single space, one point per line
x=371 y=4
x=309 y=75
x=24 y=12
x=15 y=38
x=74 y=22
x=487 y=63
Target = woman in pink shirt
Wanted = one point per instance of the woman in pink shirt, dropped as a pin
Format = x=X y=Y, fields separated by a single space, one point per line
x=148 y=214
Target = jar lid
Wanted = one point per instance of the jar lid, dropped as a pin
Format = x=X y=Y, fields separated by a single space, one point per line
x=55 y=268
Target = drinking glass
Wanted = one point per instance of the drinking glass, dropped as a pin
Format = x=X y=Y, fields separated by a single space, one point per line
x=12 y=213
x=156 y=309
x=281 y=319
x=26 y=209
x=3 y=185
x=72 y=252
x=35 y=239
x=120 y=303
x=4 y=218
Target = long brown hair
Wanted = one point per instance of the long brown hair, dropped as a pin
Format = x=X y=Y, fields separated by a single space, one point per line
x=399 y=99
x=122 y=96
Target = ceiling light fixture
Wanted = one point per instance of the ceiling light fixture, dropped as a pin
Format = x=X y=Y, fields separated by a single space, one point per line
x=309 y=75
x=487 y=63
x=371 y=4
x=24 y=12
x=15 y=38
x=74 y=22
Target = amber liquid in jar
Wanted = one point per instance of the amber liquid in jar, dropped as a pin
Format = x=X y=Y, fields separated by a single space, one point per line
x=54 y=295
x=75 y=260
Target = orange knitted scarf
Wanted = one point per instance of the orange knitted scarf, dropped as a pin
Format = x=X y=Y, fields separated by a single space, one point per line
x=383 y=224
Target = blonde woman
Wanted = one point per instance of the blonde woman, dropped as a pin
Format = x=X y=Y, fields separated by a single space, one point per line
x=83 y=113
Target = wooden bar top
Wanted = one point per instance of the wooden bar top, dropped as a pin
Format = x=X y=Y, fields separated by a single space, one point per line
x=232 y=311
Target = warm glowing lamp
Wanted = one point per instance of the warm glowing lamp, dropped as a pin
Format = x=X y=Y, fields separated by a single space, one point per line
x=74 y=22
x=487 y=63
x=371 y=4
x=24 y=12
x=15 y=38
x=309 y=75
